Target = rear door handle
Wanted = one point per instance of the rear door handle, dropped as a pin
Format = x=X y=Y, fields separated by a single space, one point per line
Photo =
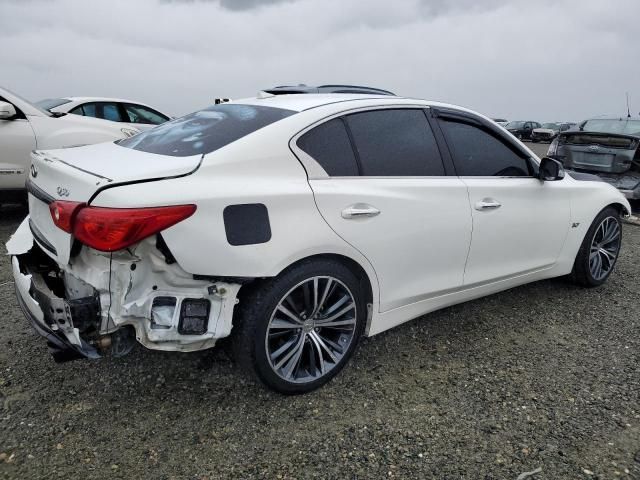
x=360 y=210
x=487 y=204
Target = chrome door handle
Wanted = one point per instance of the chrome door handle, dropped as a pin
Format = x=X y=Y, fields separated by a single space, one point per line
x=360 y=210
x=487 y=204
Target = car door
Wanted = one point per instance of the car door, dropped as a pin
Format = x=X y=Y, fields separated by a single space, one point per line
x=384 y=189
x=519 y=223
x=17 y=140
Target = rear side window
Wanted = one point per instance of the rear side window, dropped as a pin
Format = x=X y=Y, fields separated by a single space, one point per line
x=329 y=145
x=395 y=143
x=477 y=153
x=144 y=115
x=205 y=131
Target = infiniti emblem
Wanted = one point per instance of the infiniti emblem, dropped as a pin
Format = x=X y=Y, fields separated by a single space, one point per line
x=34 y=171
x=63 y=192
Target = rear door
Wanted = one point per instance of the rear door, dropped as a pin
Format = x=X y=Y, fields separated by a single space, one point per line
x=384 y=188
x=519 y=222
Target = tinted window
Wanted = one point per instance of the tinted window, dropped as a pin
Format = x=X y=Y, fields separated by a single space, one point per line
x=145 y=115
x=88 y=110
x=478 y=153
x=395 y=143
x=206 y=130
x=329 y=145
x=110 y=111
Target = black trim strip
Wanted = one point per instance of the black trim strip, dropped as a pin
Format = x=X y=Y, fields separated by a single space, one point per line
x=41 y=240
x=39 y=193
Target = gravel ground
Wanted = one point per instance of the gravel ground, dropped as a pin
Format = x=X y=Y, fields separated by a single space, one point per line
x=542 y=376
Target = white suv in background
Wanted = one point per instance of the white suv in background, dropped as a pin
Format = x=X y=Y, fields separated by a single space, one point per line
x=25 y=127
x=135 y=114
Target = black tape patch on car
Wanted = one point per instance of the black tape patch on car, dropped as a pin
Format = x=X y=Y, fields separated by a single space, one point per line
x=247 y=224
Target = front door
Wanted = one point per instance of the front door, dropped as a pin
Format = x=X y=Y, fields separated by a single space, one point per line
x=519 y=223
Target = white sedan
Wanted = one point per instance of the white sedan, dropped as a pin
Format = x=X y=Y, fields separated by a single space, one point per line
x=296 y=224
x=25 y=127
x=135 y=114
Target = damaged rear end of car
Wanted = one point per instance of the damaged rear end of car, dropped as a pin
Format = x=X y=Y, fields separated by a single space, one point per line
x=612 y=152
x=92 y=280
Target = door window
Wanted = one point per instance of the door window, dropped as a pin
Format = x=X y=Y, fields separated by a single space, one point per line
x=144 y=115
x=329 y=145
x=476 y=152
x=395 y=143
x=104 y=110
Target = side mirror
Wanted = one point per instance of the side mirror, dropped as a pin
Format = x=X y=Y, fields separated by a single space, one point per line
x=7 y=111
x=550 y=170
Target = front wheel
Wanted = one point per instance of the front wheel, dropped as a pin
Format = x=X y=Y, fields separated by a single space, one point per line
x=297 y=331
x=599 y=250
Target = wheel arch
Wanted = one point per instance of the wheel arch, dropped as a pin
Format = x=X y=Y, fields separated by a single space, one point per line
x=366 y=275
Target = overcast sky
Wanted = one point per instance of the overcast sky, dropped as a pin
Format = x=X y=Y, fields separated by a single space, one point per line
x=532 y=59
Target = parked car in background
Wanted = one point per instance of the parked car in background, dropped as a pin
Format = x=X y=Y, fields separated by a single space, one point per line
x=136 y=114
x=522 y=129
x=546 y=132
x=608 y=147
x=296 y=224
x=25 y=127
x=500 y=121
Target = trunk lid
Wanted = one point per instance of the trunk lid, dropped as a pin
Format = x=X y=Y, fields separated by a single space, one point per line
x=76 y=174
x=599 y=152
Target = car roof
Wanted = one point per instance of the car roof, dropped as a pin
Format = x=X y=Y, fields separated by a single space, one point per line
x=306 y=101
x=103 y=99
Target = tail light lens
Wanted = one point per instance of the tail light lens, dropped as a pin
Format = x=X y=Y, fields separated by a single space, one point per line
x=63 y=213
x=111 y=229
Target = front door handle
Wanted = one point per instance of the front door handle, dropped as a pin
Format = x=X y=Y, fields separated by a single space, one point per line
x=360 y=210
x=487 y=204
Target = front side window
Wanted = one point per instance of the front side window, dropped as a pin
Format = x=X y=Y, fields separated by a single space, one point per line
x=477 y=153
x=395 y=143
x=88 y=110
x=144 y=115
x=329 y=145
x=205 y=131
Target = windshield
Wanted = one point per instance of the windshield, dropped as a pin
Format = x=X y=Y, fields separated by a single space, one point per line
x=604 y=125
x=49 y=103
x=551 y=126
x=205 y=131
x=515 y=125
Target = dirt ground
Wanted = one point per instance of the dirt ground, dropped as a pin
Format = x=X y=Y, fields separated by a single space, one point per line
x=542 y=376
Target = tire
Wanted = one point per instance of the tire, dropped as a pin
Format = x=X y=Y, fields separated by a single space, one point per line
x=265 y=334
x=606 y=226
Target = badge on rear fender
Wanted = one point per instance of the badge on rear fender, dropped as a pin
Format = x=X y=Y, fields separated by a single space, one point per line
x=62 y=192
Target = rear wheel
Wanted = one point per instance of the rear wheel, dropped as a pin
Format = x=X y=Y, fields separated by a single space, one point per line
x=599 y=250
x=297 y=331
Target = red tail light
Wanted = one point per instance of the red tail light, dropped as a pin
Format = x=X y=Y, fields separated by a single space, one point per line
x=63 y=213
x=111 y=229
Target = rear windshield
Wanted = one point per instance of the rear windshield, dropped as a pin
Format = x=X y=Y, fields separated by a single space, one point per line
x=603 y=125
x=515 y=124
x=50 y=103
x=205 y=131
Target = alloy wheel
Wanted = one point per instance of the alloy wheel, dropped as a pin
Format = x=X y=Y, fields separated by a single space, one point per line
x=311 y=329
x=605 y=247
